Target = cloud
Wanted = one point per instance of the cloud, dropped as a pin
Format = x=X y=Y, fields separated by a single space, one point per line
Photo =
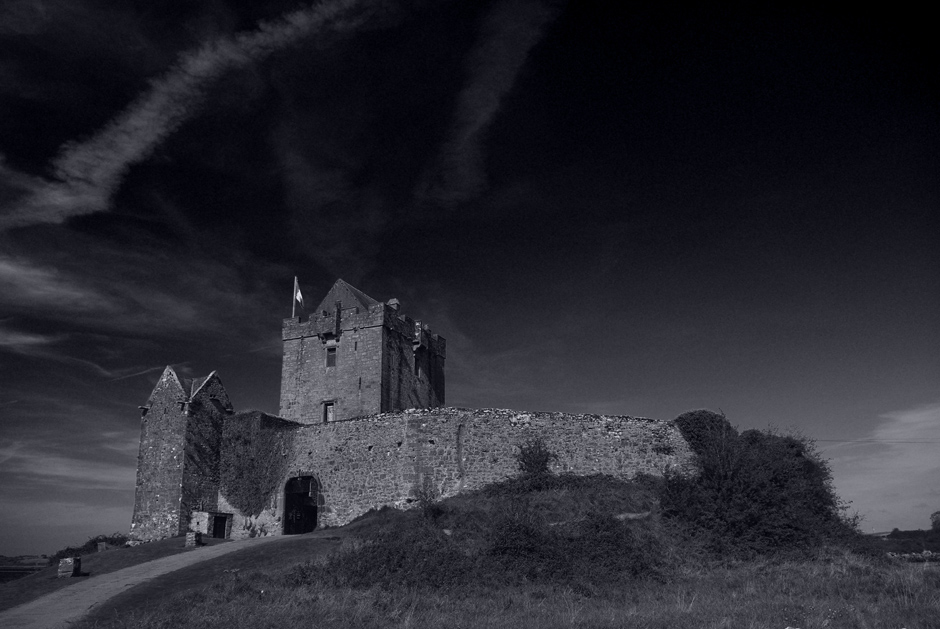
x=37 y=346
x=508 y=34
x=33 y=465
x=23 y=17
x=88 y=172
x=23 y=341
x=26 y=284
x=912 y=425
x=139 y=292
x=893 y=470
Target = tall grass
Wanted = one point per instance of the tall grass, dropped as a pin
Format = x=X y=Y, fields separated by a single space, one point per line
x=844 y=591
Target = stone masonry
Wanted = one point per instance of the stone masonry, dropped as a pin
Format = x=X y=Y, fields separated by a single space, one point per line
x=354 y=356
x=380 y=460
x=362 y=394
x=178 y=463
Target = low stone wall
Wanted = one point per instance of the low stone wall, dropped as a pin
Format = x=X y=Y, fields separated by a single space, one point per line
x=380 y=460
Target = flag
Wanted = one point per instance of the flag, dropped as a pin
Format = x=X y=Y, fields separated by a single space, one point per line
x=297 y=295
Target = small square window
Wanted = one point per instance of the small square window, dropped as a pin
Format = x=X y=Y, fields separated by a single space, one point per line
x=330 y=356
x=327 y=412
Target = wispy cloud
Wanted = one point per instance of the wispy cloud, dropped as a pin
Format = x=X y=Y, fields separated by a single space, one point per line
x=42 y=347
x=508 y=34
x=39 y=346
x=894 y=469
x=88 y=172
x=23 y=17
x=37 y=466
x=26 y=283
x=141 y=292
x=25 y=342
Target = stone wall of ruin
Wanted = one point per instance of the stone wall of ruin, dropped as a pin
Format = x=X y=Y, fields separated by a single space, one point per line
x=382 y=459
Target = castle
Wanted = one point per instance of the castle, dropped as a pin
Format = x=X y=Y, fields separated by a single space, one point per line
x=362 y=424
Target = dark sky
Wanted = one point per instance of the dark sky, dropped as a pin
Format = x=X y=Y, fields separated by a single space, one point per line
x=608 y=212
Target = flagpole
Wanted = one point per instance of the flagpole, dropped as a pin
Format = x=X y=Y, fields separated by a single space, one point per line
x=293 y=300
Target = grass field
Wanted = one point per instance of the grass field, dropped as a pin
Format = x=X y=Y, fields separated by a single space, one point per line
x=501 y=559
x=842 y=591
x=756 y=539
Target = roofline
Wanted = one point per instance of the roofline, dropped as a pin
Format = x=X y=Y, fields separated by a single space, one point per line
x=203 y=383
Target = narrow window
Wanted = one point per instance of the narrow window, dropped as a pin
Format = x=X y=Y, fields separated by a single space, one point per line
x=327 y=412
x=355 y=346
x=330 y=356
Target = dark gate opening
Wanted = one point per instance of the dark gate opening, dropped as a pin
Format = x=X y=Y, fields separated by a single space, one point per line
x=218 y=526
x=300 y=505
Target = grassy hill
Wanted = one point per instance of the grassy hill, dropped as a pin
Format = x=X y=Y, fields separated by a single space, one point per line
x=537 y=551
x=45 y=581
x=756 y=538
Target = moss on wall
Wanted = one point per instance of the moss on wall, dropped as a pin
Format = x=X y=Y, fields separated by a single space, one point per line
x=256 y=449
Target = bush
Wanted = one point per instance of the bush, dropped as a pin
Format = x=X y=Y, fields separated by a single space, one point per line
x=757 y=492
x=415 y=555
x=534 y=458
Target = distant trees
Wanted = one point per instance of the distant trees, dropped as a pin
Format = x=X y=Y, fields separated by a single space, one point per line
x=757 y=491
x=935 y=521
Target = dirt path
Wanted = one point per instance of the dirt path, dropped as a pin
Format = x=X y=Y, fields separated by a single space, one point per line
x=55 y=610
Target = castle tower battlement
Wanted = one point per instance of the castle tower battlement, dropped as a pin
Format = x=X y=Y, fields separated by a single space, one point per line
x=355 y=356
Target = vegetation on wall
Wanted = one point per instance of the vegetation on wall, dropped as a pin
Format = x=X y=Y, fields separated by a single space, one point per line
x=254 y=461
x=757 y=492
x=89 y=547
x=534 y=457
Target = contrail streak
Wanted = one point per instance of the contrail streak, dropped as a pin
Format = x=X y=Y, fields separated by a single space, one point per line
x=508 y=34
x=89 y=172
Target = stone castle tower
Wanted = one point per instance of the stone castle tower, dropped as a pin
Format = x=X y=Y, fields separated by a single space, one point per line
x=354 y=356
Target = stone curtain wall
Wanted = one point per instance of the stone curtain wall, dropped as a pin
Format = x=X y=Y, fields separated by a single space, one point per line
x=379 y=460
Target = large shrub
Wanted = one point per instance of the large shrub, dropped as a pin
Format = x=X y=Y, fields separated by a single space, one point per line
x=757 y=492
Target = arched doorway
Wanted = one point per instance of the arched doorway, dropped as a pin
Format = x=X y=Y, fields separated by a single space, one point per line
x=300 y=505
